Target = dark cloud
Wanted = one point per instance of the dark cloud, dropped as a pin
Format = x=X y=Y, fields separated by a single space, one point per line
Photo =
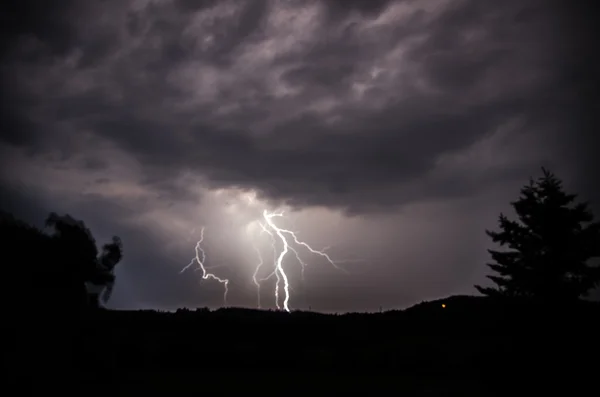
x=338 y=9
x=579 y=85
x=364 y=106
x=194 y=5
x=47 y=22
x=410 y=133
x=95 y=163
x=16 y=128
x=325 y=77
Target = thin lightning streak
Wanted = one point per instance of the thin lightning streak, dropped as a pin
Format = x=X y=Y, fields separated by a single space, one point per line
x=314 y=251
x=275 y=271
x=190 y=234
x=277 y=281
x=302 y=263
x=200 y=259
x=286 y=286
x=273 y=246
x=257 y=282
x=272 y=273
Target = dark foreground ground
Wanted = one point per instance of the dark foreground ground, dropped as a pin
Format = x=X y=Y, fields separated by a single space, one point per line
x=472 y=347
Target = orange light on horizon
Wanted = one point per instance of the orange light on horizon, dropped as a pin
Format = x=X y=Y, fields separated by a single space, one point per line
x=443 y=305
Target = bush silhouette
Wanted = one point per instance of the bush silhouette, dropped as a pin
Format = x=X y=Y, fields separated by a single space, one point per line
x=549 y=246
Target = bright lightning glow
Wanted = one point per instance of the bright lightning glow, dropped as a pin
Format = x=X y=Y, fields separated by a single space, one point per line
x=200 y=259
x=283 y=241
x=279 y=271
x=279 y=264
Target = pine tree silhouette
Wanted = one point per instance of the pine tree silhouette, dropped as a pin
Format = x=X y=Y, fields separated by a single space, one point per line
x=549 y=246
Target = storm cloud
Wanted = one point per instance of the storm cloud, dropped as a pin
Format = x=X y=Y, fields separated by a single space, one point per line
x=407 y=125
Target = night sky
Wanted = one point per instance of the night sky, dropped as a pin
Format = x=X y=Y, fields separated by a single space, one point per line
x=392 y=132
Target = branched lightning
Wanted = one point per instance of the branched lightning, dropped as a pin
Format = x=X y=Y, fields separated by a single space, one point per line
x=289 y=242
x=200 y=259
x=284 y=235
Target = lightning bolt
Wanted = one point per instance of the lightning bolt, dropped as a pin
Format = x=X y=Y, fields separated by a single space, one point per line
x=287 y=237
x=289 y=243
x=279 y=263
x=200 y=259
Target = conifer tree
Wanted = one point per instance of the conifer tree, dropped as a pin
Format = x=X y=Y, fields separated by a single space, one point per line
x=550 y=246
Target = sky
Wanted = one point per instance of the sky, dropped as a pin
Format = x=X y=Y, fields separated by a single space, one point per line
x=391 y=132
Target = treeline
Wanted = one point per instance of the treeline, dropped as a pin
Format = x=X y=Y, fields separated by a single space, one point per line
x=471 y=338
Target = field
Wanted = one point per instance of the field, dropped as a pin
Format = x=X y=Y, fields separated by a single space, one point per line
x=472 y=346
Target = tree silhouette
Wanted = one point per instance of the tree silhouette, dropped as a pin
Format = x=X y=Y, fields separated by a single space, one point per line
x=111 y=255
x=550 y=246
x=56 y=268
x=76 y=248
